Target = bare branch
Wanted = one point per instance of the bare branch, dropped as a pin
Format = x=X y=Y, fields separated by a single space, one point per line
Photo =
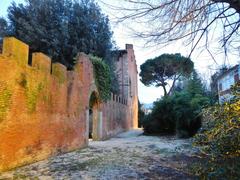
x=165 y=21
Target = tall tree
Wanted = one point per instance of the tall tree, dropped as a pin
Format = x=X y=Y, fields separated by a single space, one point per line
x=195 y=85
x=165 y=70
x=61 y=28
x=3 y=28
x=165 y=21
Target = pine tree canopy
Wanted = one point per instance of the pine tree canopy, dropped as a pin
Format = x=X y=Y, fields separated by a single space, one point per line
x=165 y=70
x=61 y=28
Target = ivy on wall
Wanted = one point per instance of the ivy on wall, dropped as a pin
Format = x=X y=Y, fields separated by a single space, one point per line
x=5 y=100
x=102 y=77
x=32 y=90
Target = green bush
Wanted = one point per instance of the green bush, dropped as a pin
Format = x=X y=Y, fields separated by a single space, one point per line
x=102 y=77
x=161 y=119
x=141 y=115
x=180 y=113
x=220 y=137
x=187 y=111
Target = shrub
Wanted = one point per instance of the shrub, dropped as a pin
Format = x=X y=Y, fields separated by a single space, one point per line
x=102 y=77
x=180 y=113
x=141 y=115
x=220 y=137
x=187 y=111
x=161 y=120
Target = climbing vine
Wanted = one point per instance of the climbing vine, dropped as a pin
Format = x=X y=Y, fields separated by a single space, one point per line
x=32 y=90
x=102 y=77
x=5 y=100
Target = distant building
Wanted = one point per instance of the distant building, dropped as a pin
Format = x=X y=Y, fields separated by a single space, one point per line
x=225 y=81
x=146 y=110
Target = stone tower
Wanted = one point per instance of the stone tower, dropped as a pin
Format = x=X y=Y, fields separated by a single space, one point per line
x=126 y=69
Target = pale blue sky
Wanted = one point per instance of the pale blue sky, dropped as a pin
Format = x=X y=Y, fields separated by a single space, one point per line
x=4 y=5
x=203 y=63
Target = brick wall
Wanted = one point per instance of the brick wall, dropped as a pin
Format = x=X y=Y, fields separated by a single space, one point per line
x=126 y=69
x=43 y=114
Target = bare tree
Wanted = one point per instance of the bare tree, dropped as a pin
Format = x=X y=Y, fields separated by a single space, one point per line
x=166 y=21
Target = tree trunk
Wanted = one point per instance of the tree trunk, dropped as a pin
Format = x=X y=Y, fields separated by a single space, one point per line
x=173 y=84
x=165 y=91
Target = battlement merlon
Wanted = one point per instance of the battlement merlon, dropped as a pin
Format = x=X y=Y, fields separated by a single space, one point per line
x=16 y=49
x=83 y=63
x=42 y=62
x=60 y=72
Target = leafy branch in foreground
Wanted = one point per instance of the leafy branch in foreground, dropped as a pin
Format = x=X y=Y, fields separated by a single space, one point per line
x=220 y=137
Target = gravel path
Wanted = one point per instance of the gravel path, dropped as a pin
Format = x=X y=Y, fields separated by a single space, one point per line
x=130 y=155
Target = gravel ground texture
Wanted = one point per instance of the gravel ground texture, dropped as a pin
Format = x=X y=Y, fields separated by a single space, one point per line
x=129 y=155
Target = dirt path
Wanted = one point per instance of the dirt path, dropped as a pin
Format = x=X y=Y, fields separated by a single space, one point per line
x=130 y=155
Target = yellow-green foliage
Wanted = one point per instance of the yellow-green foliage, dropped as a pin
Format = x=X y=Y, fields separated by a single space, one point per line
x=220 y=138
x=22 y=81
x=32 y=88
x=32 y=92
x=5 y=100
